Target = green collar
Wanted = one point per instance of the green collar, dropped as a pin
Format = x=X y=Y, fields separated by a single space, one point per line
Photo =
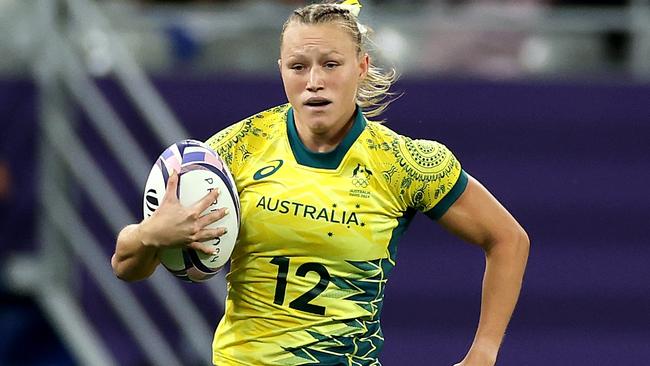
x=328 y=160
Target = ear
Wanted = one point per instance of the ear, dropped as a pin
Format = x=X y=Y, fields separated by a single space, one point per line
x=364 y=65
x=280 y=64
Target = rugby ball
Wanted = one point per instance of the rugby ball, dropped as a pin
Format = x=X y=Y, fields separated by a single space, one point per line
x=201 y=170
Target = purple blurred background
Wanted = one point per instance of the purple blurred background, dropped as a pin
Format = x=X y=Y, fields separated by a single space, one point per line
x=571 y=161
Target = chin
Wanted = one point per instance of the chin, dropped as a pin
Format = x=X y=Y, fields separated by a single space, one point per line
x=316 y=119
x=319 y=125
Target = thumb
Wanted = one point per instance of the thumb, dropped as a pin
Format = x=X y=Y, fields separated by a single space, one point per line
x=172 y=186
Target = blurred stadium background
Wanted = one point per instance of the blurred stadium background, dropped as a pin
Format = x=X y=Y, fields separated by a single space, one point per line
x=546 y=102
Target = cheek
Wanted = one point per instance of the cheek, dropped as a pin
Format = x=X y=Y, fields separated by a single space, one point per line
x=292 y=84
x=350 y=83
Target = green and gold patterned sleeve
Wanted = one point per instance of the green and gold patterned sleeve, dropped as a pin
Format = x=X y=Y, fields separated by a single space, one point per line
x=239 y=143
x=432 y=177
x=224 y=143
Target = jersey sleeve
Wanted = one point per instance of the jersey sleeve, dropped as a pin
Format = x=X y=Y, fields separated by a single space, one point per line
x=226 y=144
x=432 y=177
x=242 y=141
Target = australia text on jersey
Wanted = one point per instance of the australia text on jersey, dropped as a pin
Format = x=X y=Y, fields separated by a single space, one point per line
x=298 y=209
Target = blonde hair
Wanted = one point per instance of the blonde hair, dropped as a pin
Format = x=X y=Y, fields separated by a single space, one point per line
x=373 y=94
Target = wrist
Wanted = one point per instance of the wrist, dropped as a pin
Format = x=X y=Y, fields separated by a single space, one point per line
x=483 y=353
x=145 y=235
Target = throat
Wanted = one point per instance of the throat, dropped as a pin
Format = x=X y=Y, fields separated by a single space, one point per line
x=322 y=140
x=318 y=143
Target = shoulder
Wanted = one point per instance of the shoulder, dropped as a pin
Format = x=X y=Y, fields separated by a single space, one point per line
x=425 y=160
x=262 y=125
x=237 y=143
x=422 y=159
x=419 y=171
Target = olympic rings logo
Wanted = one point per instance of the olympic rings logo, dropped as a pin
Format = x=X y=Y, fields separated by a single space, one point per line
x=360 y=182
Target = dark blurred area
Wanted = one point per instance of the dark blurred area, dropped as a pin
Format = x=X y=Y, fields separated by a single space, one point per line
x=21 y=321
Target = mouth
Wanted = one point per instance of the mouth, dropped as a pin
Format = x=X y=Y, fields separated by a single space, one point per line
x=317 y=102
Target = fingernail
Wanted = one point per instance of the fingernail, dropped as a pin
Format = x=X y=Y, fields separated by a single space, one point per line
x=218 y=190
x=226 y=211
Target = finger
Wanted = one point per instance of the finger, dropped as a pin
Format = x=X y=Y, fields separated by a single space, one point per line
x=172 y=186
x=203 y=248
x=212 y=217
x=209 y=234
x=208 y=200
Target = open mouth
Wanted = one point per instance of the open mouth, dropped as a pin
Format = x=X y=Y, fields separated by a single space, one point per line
x=317 y=102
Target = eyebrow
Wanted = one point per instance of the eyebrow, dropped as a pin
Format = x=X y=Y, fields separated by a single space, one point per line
x=300 y=54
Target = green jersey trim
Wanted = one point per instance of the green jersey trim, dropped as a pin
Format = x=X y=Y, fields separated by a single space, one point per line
x=328 y=160
x=459 y=187
x=402 y=224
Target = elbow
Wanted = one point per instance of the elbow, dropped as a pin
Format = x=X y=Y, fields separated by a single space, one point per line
x=523 y=245
x=118 y=269
x=121 y=270
x=514 y=241
x=525 y=241
x=130 y=262
x=520 y=243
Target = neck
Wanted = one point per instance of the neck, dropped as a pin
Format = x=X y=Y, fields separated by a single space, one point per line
x=323 y=141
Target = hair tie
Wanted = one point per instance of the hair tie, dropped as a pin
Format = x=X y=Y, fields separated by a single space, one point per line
x=354 y=7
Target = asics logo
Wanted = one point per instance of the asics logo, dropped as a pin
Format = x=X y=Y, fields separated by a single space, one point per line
x=268 y=170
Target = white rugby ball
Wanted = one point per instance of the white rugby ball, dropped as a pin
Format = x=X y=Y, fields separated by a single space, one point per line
x=201 y=170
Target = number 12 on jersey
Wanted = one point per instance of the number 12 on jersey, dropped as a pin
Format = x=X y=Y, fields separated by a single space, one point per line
x=301 y=302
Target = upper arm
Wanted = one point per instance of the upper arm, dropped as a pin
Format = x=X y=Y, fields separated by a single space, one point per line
x=476 y=216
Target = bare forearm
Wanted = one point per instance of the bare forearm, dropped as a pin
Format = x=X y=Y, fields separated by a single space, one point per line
x=133 y=260
x=502 y=281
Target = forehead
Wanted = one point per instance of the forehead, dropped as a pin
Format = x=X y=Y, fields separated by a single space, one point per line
x=300 y=38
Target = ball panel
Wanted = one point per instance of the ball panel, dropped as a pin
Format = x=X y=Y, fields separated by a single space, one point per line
x=172 y=159
x=198 y=263
x=164 y=170
x=154 y=191
x=172 y=259
x=196 y=275
x=182 y=274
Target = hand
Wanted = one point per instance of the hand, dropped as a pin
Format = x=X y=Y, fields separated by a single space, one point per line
x=173 y=225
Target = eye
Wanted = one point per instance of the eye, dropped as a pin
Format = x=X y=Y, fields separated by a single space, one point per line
x=331 y=65
x=297 y=67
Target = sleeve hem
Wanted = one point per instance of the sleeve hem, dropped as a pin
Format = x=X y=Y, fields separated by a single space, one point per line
x=438 y=210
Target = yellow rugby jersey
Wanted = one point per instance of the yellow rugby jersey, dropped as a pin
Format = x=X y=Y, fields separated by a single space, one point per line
x=318 y=237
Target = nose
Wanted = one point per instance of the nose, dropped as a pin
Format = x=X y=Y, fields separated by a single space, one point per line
x=315 y=81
